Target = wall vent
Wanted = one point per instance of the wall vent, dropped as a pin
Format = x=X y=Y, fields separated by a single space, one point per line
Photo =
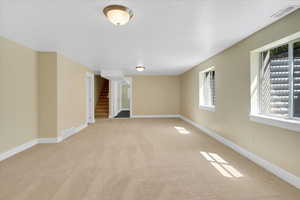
x=284 y=11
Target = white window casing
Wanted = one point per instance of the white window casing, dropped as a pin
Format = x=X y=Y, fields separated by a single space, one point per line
x=207 y=94
x=275 y=83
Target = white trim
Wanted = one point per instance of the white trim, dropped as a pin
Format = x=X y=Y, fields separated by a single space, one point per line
x=208 y=108
x=120 y=98
x=256 y=64
x=115 y=96
x=17 y=149
x=293 y=125
x=63 y=135
x=90 y=105
x=155 y=116
x=114 y=108
x=48 y=140
x=202 y=88
x=130 y=96
x=209 y=69
x=279 y=172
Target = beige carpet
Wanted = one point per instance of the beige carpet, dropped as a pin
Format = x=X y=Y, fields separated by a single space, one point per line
x=138 y=159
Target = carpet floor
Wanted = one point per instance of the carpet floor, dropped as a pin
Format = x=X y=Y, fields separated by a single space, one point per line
x=138 y=159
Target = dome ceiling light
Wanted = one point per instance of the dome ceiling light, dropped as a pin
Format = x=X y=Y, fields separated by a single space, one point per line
x=140 y=68
x=117 y=14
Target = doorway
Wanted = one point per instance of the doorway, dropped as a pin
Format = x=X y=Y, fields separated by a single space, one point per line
x=122 y=98
x=101 y=97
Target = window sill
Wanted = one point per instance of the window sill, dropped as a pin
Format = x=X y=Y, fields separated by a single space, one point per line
x=207 y=108
x=289 y=124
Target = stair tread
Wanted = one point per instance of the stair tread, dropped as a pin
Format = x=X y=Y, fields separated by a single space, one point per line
x=102 y=107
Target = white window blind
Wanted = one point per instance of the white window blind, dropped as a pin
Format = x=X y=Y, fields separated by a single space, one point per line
x=207 y=88
x=296 y=79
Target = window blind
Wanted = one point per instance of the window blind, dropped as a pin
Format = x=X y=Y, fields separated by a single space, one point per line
x=275 y=90
x=296 y=77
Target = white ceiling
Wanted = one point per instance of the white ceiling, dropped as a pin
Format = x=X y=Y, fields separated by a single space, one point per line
x=166 y=36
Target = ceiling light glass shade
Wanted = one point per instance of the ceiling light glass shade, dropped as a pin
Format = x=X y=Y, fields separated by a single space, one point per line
x=140 y=68
x=117 y=14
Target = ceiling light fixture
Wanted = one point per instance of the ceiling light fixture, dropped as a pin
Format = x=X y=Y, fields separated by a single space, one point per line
x=140 y=68
x=117 y=14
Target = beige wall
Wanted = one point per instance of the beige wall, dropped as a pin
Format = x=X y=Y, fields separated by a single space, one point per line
x=155 y=95
x=42 y=93
x=62 y=94
x=99 y=81
x=231 y=118
x=19 y=94
x=71 y=93
x=47 y=71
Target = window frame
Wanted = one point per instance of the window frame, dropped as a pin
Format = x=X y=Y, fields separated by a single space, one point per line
x=254 y=109
x=208 y=107
x=291 y=81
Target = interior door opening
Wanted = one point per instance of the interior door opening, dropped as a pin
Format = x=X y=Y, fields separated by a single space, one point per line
x=122 y=98
x=101 y=97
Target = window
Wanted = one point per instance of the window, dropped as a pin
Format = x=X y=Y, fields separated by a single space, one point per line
x=207 y=94
x=296 y=79
x=279 y=85
x=275 y=83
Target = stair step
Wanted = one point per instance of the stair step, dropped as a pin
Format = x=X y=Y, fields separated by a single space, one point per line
x=101 y=105
x=103 y=100
x=102 y=115
x=101 y=110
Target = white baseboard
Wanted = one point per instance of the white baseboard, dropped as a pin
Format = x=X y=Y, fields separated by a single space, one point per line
x=47 y=140
x=17 y=149
x=64 y=135
x=274 y=169
x=155 y=116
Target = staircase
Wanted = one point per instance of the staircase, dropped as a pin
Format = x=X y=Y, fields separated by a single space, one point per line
x=102 y=106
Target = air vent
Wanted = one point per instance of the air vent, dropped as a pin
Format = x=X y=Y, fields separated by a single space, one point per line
x=284 y=11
